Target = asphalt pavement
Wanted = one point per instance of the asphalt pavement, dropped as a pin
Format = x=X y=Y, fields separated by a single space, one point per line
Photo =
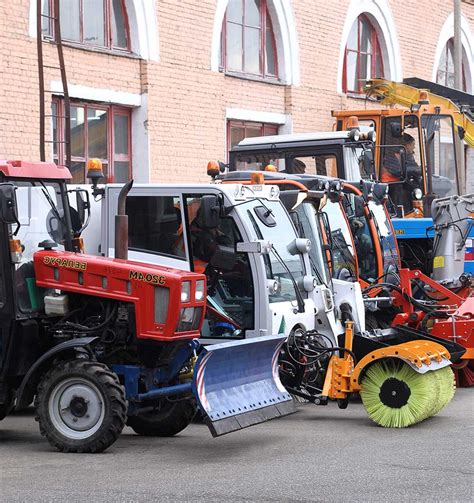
x=317 y=454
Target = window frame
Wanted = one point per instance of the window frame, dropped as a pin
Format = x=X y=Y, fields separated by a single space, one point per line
x=375 y=53
x=265 y=21
x=108 y=31
x=449 y=47
x=112 y=157
x=264 y=126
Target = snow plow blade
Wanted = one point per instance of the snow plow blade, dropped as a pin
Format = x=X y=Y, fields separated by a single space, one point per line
x=237 y=384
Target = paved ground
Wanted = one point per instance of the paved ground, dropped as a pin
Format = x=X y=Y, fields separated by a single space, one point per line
x=318 y=454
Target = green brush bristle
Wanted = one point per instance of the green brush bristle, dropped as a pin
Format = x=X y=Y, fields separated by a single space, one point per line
x=447 y=384
x=425 y=394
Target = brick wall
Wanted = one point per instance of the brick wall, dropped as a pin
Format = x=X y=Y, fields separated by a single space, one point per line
x=187 y=102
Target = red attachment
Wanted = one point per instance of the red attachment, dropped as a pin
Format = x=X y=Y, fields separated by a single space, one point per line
x=36 y=170
x=457 y=327
x=407 y=276
x=126 y=281
x=460 y=329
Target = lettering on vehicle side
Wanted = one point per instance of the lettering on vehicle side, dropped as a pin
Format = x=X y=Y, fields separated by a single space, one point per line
x=65 y=262
x=154 y=279
x=399 y=232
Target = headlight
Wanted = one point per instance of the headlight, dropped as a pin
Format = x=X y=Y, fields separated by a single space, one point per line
x=274 y=191
x=162 y=300
x=189 y=319
x=299 y=245
x=354 y=134
x=185 y=291
x=417 y=194
x=308 y=283
x=372 y=136
x=199 y=290
x=274 y=286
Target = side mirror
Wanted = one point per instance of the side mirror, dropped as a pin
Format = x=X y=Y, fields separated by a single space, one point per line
x=209 y=212
x=359 y=207
x=366 y=161
x=291 y=198
x=83 y=205
x=8 y=204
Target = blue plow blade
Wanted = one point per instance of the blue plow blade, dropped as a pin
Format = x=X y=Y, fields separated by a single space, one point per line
x=237 y=384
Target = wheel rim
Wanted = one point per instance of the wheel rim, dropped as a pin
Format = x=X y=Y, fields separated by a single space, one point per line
x=76 y=408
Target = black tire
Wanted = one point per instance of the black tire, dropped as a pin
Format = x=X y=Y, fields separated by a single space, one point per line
x=80 y=406
x=168 y=420
x=342 y=403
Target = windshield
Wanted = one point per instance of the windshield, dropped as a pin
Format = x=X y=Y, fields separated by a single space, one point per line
x=440 y=153
x=41 y=216
x=400 y=136
x=304 y=217
x=362 y=236
x=42 y=225
x=288 y=162
x=339 y=239
x=281 y=236
x=386 y=236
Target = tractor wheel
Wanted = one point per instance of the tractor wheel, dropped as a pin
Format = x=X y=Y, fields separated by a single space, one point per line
x=167 y=420
x=81 y=406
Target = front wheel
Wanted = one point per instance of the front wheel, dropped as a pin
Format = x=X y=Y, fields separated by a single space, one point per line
x=81 y=406
x=165 y=421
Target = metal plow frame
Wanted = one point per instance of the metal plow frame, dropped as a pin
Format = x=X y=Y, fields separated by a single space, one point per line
x=237 y=384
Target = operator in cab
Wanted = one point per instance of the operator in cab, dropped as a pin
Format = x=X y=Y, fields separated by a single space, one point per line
x=392 y=163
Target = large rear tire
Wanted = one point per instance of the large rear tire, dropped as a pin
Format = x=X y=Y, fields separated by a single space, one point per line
x=168 y=420
x=81 y=406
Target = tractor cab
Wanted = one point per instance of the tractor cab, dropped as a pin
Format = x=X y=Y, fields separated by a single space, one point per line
x=364 y=203
x=35 y=204
x=259 y=278
x=332 y=154
x=315 y=206
x=416 y=143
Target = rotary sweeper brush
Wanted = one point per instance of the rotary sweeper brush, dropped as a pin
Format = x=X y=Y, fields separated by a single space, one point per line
x=400 y=384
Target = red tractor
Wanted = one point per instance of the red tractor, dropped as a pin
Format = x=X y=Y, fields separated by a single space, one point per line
x=100 y=342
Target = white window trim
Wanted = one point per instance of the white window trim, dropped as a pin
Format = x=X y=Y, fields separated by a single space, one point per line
x=380 y=12
x=142 y=19
x=284 y=29
x=139 y=105
x=87 y=93
x=467 y=40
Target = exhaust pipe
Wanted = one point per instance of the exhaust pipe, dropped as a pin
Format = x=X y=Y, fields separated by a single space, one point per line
x=121 y=223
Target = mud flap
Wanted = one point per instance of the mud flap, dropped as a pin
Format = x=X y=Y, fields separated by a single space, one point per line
x=237 y=384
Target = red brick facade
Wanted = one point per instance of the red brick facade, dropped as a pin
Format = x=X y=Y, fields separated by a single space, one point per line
x=181 y=103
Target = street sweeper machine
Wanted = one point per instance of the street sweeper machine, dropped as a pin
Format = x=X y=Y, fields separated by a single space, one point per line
x=308 y=367
x=101 y=342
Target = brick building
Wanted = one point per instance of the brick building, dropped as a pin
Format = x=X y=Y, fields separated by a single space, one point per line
x=161 y=87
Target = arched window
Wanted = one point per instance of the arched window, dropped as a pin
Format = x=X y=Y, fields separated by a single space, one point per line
x=97 y=23
x=363 y=57
x=248 y=43
x=445 y=73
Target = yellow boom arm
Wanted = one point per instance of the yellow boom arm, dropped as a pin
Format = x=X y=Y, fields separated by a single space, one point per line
x=396 y=93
